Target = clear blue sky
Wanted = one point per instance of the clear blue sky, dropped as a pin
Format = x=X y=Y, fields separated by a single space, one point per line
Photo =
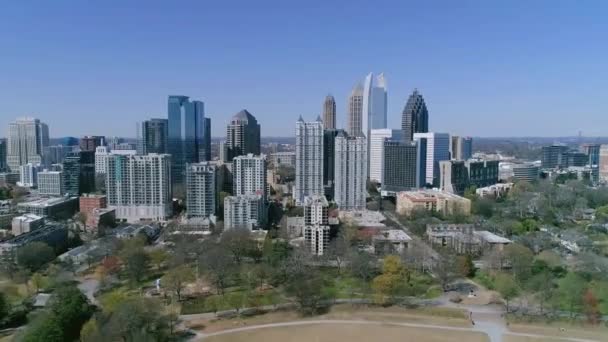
x=485 y=68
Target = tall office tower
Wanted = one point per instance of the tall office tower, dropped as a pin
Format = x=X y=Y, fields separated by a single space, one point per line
x=186 y=128
x=223 y=151
x=603 y=163
x=200 y=189
x=51 y=183
x=376 y=150
x=329 y=159
x=316 y=225
x=206 y=156
x=434 y=147
x=400 y=165
x=90 y=143
x=453 y=176
x=3 y=166
x=374 y=103
x=139 y=187
x=55 y=154
x=351 y=172
x=71 y=174
x=244 y=211
x=249 y=175
x=242 y=135
x=27 y=138
x=101 y=159
x=152 y=136
x=461 y=148
x=415 y=116
x=355 y=111
x=309 y=159
x=28 y=175
x=329 y=112
x=553 y=156
x=593 y=152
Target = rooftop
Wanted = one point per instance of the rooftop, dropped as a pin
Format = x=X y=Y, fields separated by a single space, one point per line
x=392 y=235
x=28 y=218
x=490 y=237
x=46 y=202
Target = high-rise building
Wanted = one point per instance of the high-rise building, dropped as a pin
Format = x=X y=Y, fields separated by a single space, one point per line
x=51 y=183
x=482 y=173
x=593 y=152
x=525 y=172
x=186 y=129
x=400 y=166
x=350 y=172
x=3 y=148
x=56 y=154
x=200 y=189
x=434 y=147
x=283 y=159
x=329 y=159
x=244 y=211
x=316 y=225
x=28 y=175
x=207 y=141
x=376 y=150
x=553 y=156
x=27 y=138
x=309 y=159
x=249 y=175
x=242 y=135
x=71 y=174
x=355 y=111
x=603 y=163
x=415 y=116
x=461 y=148
x=457 y=175
x=374 y=113
x=329 y=112
x=139 y=187
x=101 y=159
x=575 y=158
x=153 y=136
x=90 y=143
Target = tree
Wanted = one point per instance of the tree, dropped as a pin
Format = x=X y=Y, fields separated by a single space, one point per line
x=543 y=284
x=446 y=270
x=507 y=287
x=237 y=241
x=520 y=258
x=158 y=256
x=81 y=218
x=362 y=265
x=465 y=265
x=38 y=281
x=570 y=290
x=393 y=276
x=34 y=255
x=306 y=286
x=176 y=279
x=236 y=300
x=136 y=263
x=4 y=306
x=220 y=266
x=591 y=307
x=338 y=251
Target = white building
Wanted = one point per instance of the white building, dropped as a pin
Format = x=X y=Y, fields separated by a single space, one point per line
x=374 y=111
x=461 y=148
x=436 y=147
x=249 y=175
x=26 y=223
x=316 y=226
x=283 y=158
x=309 y=159
x=376 y=150
x=350 y=172
x=27 y=139
x=28 y=175
x=603 y=166
x=50 y=183
x=139 y=187
x=101 y=157
x=244 y=211
x=200 y=189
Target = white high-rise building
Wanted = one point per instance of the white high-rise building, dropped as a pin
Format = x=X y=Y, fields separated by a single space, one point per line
x=603 y=164
x=350 y=172
x=309 y=159
x=374 y=113
x=50 y=183
x=101 y=159
x=355 y=111
x=434 y=147
x=244 y=211
x=27 y=139
x=200 y=189
x=28 y=175
x=316 y=226
x=249 y=175
x=376 y=150
x=139 y=187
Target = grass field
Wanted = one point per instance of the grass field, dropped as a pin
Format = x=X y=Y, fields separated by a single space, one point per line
x=598 y=333
x=348 y=332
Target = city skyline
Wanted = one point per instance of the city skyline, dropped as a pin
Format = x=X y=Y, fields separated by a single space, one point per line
x=57 y=74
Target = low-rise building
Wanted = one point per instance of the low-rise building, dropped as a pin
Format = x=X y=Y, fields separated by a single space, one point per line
x=9 y=178
x=494 y=191
x=90 y=202
x=392 y=241
x=26 y=223
x=100 y=219
x=432 y=200
x=57 y=208
x=463 y=238
x=133 y=230
x=53 y=234
x=51 y=183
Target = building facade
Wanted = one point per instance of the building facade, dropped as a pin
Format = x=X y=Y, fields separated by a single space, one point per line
x=28 y=175
x=374 y=105
x=461 y=148
x=242 y=135
x=51 y=183
x=408 y=202
x=71 y=174
x=350 y=172
x=415 y=116
x=309 y=159
x=201 y=194
x=376 y=150
x=153 y=136
x=283 y=159
x=525 y=172
x=316 y=226
x=90 y=143
x=329 y=112
x=27 y=139
x=244 y=211
x=329 y=156
x=249 y=175
x=603 y=164
x=354 y=120
x=434 y=147
x=553 y=156
x=56 y=154
x=400 y=166
x=3 y=149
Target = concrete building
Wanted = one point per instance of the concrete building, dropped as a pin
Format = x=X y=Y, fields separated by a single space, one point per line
x=9 y=178
x=139 y=187
x=350 y=172
x=329 y=112
x=242 y=135
x=329 y=160
x=316 y=225
x=53 y=234
x=60 y=208
x=432 y=200
x=56 y=154
x=454 y=177
x=603 y=164
x=464 y=239
x=27 y=139
x=553 y=156
x=391 y=241
x=376 y=150
x=374 y=112
x=309 y=160
x=415 y=116
x=354 y=126
x=593 y=153
x=400 y=166
x=26 y=223
x=201 y=194
x=494 y=191
x=461 y=148
x=249 y=175
x=244 y=211
x=283 y=159
x=28 y=175
x=90 y=202
x=153 y=136
x=101 y=159
x=100 y=219
x=434 y=147
x=90 y=143
x=50 y=183
x=525 y=172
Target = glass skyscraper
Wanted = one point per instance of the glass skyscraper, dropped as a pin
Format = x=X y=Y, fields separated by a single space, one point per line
x=415 y=116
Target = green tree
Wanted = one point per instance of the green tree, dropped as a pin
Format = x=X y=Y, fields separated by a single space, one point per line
x=136 y=263
x=158 y=256
x=570 y=291
x=34 y=255
x=219 y=266
x=393 y=277
x=520 y=257
x=465 y=265
x=4 y=306
x=177 y=278
x=507 y=287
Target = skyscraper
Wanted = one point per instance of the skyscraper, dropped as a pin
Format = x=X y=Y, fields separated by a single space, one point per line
x=329 y=112
x=249 y=175
x=355 y=111
x=415 y=116
x=400 y=165
x=351 y=172
x=55 y=154
x=553 y=156
x=90 y=143
x=242 y=135
x=71 y=174
x=374 y=105
x=51 y=183
x=329 y=148
x=434 y=147
x=593 y=152
x=152 y=136
x=309 y=159
x=376 y=150
x=244 y=211
x=27 y=138
x=200 y=189
x=186 y=128
x=461 y=148
x=3 y=166
x=316 y=225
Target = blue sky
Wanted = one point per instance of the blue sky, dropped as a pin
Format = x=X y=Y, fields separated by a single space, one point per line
x=485 y=68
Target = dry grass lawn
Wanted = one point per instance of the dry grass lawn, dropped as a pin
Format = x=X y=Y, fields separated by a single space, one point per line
x=597 y=333
x=348 y=332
